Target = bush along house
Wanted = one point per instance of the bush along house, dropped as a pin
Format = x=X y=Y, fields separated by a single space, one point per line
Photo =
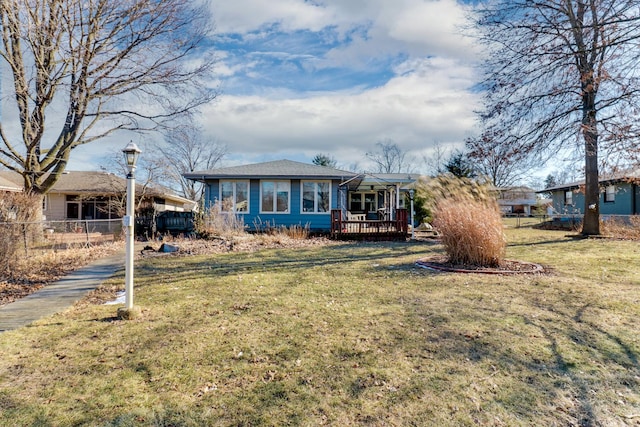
x=286 y=193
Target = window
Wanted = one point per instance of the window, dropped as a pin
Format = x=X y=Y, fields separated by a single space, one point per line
x=45 y=201
x=610 y=193
x=89 y=208
x=316 y=196
x=370 y=202
x=362 y=202
x=355 y=203
x=235 y=196
x=568 y=197
x=274 y=196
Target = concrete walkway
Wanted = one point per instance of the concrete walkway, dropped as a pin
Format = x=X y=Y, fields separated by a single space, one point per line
x=60 y=295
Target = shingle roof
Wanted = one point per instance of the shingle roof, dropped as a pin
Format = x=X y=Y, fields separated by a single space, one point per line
x=9 y=185
x=273 y=169
x=621 y=176
x=89 y=182
x=78 y=182
x=11 y=180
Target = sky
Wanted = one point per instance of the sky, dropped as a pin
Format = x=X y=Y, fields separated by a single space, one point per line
x=304 y=77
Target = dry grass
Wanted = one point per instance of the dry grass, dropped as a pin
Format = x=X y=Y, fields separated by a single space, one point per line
x=618 y=228
x=17 y=227
x=28 y=274
x=293 y=231
x=471 y=233
x=218 y=220
x=469 y=221
x=346 y=335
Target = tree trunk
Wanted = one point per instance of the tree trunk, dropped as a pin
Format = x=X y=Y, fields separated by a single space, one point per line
x=591 y=221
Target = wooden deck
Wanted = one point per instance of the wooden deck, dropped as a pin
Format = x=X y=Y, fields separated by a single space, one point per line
x=397 y=229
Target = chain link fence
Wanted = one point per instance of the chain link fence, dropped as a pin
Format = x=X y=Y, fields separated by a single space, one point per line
x=28 y=236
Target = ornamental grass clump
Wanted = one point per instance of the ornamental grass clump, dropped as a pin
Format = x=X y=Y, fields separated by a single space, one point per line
x=219 y=220
x=18 y=227
x=468 y=218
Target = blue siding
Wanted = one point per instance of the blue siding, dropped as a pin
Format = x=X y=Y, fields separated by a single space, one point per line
x=253 y=219
x=625 y=203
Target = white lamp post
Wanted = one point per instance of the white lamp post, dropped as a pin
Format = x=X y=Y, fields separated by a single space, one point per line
x=131 y=153
x=411 y=193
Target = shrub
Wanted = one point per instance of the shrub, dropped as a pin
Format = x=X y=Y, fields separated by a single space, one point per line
x=621 y=228
x=469 y=220
x=219 y=221
x=292 y=232
x=18 y=213
x=296 y=232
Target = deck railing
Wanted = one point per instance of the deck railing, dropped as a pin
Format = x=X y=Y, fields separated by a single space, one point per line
x=369 y=229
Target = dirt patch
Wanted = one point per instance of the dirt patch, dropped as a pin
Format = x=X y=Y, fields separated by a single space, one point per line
x=242 y=243
x=441 y=263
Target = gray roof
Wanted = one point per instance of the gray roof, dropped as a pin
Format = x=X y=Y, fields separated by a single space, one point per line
x=82 y=182
x=7 y=184
x=274 y=169
x=621 y=176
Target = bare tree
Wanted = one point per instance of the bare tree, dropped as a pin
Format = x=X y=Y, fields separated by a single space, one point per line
x=186 y=150
x=562 y=72
x=496 y=162
x=388 y=157
x=83 y=69
x=436 y=161
x=148 y=177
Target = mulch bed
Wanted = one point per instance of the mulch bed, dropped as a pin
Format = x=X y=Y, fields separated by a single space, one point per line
x=441 y=263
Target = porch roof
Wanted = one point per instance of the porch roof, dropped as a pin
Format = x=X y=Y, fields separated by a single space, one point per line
x=381 y=181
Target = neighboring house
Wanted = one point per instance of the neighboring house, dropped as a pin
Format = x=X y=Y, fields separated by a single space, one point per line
x=288 y=193
x=9 y=185
x=94 y=195
x=619 y=195
x=517 y=200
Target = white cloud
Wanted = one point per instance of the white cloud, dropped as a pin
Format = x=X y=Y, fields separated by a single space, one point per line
x=418 y=27
x=241 y=16
x=427 y=102
x=423 y=99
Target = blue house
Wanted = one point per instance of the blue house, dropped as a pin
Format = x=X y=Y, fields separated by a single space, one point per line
x=286 y=193
x=619 y=196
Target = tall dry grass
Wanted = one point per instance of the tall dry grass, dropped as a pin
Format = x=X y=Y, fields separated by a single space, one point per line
x=18 y=228
x=294 y=231
x=218 y=221
x=628 y=228
x=468 y=217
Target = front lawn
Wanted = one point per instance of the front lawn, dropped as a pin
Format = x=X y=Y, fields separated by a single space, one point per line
x=341 y=335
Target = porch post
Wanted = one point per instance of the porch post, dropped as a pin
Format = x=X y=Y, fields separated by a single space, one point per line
x=397 y=200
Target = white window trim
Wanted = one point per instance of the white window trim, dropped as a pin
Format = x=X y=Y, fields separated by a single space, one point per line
x=611 y=193
x=234 y=182
x=315 y=199
x=566 y=199
x=363 y=200
x=275 y=197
